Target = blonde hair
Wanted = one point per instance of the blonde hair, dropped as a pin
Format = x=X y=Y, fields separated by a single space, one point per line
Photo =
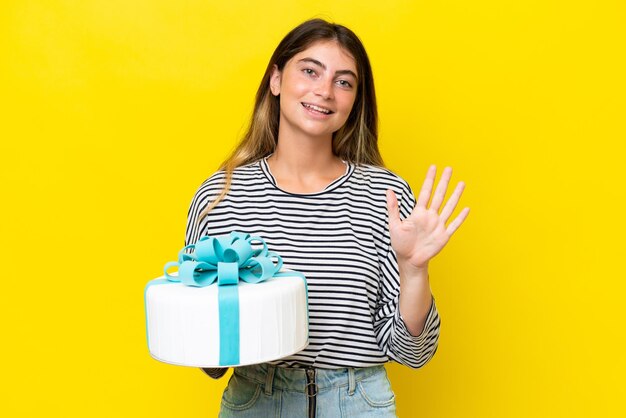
x=356 y=141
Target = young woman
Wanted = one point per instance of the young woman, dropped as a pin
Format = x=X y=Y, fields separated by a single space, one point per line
x=309 y=179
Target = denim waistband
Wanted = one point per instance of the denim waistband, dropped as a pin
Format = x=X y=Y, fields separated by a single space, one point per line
x=294 y=379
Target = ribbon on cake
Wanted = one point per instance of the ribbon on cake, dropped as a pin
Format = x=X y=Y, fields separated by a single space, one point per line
x=227 y=259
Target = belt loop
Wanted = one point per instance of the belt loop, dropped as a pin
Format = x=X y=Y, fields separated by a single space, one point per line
x=351 y=381
x=269 y=379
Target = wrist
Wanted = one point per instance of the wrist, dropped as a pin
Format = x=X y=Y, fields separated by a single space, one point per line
x=410 y=271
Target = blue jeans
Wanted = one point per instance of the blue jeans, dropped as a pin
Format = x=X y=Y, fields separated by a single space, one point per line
x=265 y=391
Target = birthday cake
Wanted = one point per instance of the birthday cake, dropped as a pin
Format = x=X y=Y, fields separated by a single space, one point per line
x=229 y=305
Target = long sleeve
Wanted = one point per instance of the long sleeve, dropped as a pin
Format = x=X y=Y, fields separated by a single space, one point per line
x=391 y=332
x=216 y=372
x=193 y=233
x=207 y=192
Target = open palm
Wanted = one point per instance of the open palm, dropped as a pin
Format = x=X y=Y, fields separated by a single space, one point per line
x=423 y=234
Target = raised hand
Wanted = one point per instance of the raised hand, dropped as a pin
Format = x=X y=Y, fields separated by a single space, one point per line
x=423 y=234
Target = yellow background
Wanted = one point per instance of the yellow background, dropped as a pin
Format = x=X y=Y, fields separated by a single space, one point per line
x=114 y=112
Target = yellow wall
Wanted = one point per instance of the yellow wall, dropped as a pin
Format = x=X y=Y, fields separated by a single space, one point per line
x=114 y=111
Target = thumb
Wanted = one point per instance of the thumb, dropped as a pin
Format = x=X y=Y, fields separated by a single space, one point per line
x=392 y=208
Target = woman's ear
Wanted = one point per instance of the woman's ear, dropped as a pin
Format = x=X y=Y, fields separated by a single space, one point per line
x=275 y=81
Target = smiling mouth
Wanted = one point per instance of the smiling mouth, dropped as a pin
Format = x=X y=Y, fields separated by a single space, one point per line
x=317 y=109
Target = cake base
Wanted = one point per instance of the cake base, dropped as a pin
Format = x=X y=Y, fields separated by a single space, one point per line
x=183 y=322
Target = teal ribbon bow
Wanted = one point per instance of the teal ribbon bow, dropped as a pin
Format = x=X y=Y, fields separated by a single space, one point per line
x=227 y=259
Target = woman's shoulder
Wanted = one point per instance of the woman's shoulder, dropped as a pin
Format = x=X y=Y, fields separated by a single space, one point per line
x=217 y=180
x=378 y=174
x=244 y=171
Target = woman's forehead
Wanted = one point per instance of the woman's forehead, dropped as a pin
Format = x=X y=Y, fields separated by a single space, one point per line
x=329 y=54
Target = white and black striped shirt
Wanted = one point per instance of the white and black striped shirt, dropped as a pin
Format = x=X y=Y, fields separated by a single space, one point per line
x=339 y=238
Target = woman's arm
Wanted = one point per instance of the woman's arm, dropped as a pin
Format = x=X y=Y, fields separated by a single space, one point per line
x=420 y=237
x=410 y=348
x=193 y=233
x=215 y=373
x=415 y=297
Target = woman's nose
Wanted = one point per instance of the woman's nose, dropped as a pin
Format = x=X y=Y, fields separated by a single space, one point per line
x=324 y=88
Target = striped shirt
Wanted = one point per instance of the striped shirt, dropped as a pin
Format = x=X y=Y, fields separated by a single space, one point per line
x=339 y=238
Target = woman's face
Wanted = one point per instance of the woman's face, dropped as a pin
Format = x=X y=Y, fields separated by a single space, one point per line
x=317 y=89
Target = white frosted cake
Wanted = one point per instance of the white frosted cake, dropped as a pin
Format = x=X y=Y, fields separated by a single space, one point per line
x=183 y=322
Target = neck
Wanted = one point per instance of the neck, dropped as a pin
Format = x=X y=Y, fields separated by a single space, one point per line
x=304 y=157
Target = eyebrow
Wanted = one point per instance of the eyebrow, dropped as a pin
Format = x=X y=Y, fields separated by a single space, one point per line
x=316 y=62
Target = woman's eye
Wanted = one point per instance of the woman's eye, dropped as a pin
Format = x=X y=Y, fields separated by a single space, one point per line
x=344 y=83
x=308 y=71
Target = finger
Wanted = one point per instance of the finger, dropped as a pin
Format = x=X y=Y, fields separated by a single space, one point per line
x=456 y=223
x=452 y=202
x=427 y=187
x=442 y=187
x=392 y=208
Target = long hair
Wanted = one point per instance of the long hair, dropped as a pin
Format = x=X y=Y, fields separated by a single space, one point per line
x=356 y=141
